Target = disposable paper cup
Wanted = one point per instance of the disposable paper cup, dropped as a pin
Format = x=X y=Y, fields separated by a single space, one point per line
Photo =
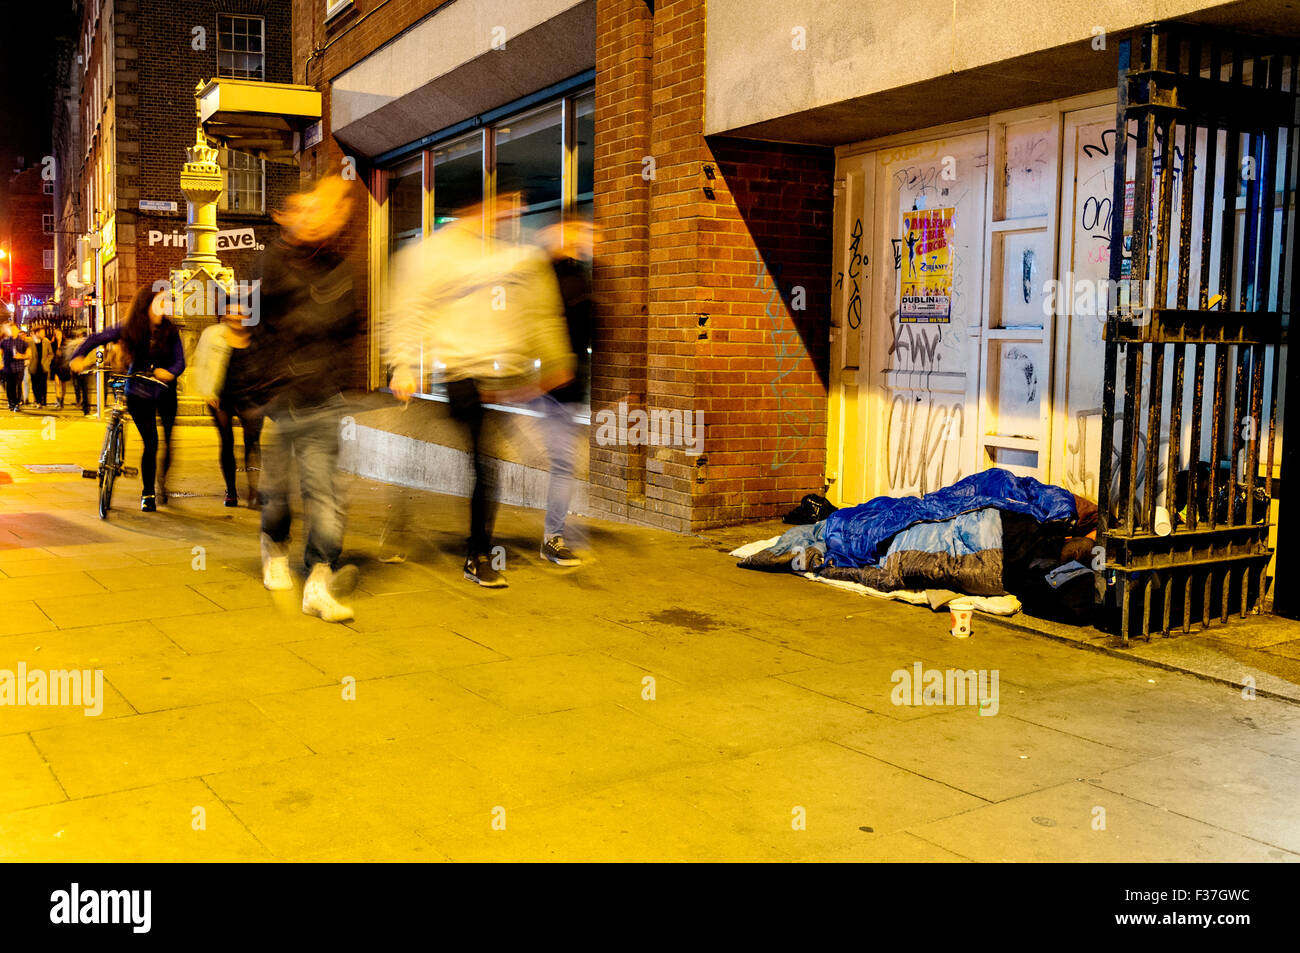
x=960 y=623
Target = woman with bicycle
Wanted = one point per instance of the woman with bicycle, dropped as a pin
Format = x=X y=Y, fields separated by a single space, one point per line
x=153 y=347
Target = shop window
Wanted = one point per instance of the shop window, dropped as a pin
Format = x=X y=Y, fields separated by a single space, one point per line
x=405 y=204
x=530 y=161
x=243 y=180
x=584 y=110
x=240 y=47
x=457 y=177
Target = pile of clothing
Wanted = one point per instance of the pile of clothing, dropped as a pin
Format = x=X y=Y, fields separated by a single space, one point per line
x=990 y=535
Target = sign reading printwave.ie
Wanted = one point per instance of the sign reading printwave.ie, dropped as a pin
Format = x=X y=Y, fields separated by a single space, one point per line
x=235 y=239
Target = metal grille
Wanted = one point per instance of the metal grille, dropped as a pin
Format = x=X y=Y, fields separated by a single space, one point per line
x=1200 y=264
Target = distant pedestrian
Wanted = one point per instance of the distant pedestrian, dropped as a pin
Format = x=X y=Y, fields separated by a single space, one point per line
x=80 y=382
x=14 y=349
x=225 y=377
x=61 y=373
x=153 y=348
x=40 y=360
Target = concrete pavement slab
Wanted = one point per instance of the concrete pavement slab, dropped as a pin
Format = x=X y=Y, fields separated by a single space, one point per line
x=549 y=683
x=373 y=711
x=134 y=605
x=542 y=757
x=746 y=716
x=166 y=682
x=164 y=823
x=28 y=780
x=821 y=801
x=147 y=749
x=1229 y=786
x=421 y=648
x=990 y=757
x=1077 y=821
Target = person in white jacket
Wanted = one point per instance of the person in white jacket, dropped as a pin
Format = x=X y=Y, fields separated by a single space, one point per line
x=485 y=318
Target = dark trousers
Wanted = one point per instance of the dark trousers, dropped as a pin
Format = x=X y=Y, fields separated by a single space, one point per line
x=147 y=414
x=250 y=421
x=81 y=392
x=39 y=390
x=13 y=387
x=467 y=409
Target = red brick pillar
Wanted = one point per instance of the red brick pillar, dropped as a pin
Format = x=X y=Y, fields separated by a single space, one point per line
x=624 y=49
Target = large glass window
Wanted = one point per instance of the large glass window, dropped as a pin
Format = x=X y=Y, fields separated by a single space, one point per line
x=530 y=161
x=545 y=156
x=406 y=204
x=457 y=177
x=584 y=111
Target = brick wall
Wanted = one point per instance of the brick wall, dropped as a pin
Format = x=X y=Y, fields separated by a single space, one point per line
x=720 y=305
x=158 y=68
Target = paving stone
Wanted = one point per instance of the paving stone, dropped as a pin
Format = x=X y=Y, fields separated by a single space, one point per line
x=1229 y=786
x=151 y=748
x=990 y=757
x=26 y=780
x=155 y=824
x=380 y=710
x=1076 y=820
x=752 y=715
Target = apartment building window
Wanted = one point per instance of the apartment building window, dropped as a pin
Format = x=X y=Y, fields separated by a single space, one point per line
x=47 y=259
x=241 y=51
x=243 y=182
x=47 y=188
x=47 y=224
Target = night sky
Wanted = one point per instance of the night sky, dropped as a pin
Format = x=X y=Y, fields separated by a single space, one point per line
x=27 y=34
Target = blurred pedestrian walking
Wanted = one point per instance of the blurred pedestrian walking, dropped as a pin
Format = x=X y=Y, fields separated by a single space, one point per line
x=80 y=382
x=569 y=247
x=225 y=377
x=60 y=372
x=153 y=349
x=40 y=360
x=300 y=348
x=487 y=315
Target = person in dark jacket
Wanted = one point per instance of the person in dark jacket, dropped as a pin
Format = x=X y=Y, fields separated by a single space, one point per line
x=154 y=349
x=14 y=349
x=569 y=247
x=301 y=341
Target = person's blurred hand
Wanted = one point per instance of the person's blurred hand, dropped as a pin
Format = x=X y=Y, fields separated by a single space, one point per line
x=403 y=386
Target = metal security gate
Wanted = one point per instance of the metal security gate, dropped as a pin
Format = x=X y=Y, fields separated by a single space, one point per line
x=1200 y=263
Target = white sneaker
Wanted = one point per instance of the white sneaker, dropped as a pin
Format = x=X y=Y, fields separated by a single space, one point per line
x=275 y=565
x=316 y=598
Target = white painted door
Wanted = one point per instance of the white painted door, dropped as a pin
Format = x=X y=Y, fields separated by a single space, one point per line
x=922 y=366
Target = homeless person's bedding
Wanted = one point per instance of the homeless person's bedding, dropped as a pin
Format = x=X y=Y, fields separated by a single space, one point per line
x=988 y=535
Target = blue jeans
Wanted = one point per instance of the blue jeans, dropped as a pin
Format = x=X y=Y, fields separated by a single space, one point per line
x=561 y=445
x=311 y=436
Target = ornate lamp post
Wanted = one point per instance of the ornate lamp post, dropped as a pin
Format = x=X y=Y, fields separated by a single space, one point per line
x=201 y=284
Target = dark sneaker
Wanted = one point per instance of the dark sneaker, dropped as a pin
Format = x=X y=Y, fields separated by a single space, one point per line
x=555 y=550
x=479 y=569
x=148 y=505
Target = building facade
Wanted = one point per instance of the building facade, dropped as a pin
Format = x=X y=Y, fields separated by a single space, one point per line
x=854 y=240
x=28 y=244
x=134 y=72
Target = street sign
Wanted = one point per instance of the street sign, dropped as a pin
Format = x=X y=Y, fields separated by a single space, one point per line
x=154 y=205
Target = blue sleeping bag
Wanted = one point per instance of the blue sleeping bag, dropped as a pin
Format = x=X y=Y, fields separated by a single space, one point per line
x=856 y=536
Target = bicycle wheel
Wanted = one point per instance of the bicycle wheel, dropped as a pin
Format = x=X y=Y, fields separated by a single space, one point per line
x=108 y=468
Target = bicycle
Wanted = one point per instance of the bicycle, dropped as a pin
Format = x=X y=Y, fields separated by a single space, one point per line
x=112 y=456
